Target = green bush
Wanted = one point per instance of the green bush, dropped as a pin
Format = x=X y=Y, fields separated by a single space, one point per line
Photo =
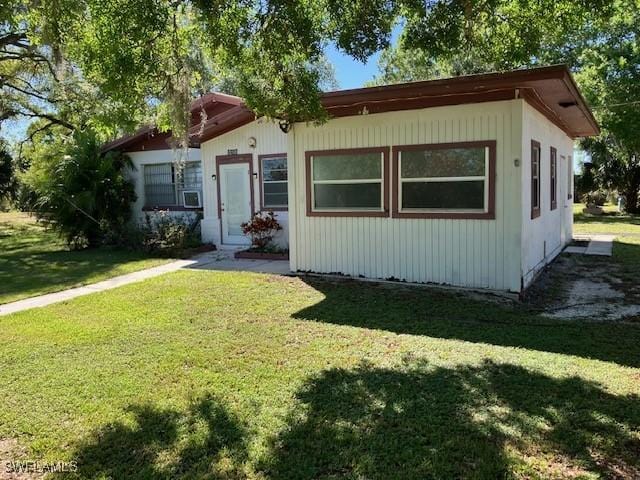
x=81 y=192
x=166 y=234
x=596 y=197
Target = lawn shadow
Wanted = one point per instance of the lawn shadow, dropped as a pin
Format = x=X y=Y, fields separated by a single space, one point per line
x=35 y=260
x=205 y=441
x=448 y=315
x=606 y=217
x=37 y=271
x=481 y=422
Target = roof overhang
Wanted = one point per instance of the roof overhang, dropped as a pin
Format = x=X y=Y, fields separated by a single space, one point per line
x=141 y=138
x=222 y=123
x=551 y=90
x=150 y=138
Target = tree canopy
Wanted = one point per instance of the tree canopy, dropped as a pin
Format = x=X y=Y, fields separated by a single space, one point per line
x=110 y=65
x=123 y=60
x=599 y=41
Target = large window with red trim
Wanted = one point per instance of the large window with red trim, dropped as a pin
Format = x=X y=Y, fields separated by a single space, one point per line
x=351 y=182
x=453 y=180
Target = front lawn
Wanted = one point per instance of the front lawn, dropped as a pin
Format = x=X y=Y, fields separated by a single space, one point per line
x=200 y=374
x=626 y=246
x=34 y=261
x=611 y=222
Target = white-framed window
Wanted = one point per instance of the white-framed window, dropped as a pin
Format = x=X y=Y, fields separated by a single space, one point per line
x=274 y=178
x=444 y=178
x=347 y=181
x=164 y=183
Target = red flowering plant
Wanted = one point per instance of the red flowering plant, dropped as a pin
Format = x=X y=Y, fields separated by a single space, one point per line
x=261 y=228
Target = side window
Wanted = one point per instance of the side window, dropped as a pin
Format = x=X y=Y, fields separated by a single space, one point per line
x=553 y=178
x=164 y=186
x=159 y=186
x=569 y=177
x=535 y=179
x=273 y=175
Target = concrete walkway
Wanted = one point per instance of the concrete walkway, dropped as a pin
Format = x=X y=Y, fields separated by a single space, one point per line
x=44 y=300
x=217 y=260
x=224 y=260
x=598 y=245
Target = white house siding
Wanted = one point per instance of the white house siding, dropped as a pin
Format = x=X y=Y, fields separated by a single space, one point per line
x=148 y=157
x=269 y=139
x=472 y=253
x=544 y=237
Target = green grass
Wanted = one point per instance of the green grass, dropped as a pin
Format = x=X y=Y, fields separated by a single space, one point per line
x=200 y=374
x=626 y=246
x=611 y=222
x=34 y=261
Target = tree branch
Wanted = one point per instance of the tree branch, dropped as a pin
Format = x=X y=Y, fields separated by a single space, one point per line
x=30 y=93
x=46 y=116
x=14 y=38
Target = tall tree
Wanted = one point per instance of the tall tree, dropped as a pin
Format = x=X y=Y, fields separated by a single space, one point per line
x=159 y=53
x=610 y=77
x=600 y=41
x=131 y=56
x=7 y=173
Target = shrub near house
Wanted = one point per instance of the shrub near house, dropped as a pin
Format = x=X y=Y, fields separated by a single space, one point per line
x=261 y=229
x=167 y=235
x=80 y=192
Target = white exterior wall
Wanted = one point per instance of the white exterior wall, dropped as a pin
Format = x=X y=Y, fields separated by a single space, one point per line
x=269 y=139
x=471 y=253
x=544 y=237
x=149 y=157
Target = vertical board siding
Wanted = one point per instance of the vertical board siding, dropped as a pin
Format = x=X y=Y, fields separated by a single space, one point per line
x=552 y=230
x=269 y=139
x=473 y=253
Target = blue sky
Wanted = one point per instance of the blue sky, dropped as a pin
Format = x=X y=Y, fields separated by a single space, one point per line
x=351 y=73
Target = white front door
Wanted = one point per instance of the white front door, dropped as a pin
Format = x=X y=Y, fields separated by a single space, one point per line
x=235 y=202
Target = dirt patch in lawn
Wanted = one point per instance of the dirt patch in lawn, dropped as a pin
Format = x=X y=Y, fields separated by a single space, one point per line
x=10 y=453
x=584 y=287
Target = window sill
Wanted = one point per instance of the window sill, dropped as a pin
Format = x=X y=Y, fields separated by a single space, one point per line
x=447 y=215
x=274 y=209
x=348 y=213
x=171 y=208
x=535 y=213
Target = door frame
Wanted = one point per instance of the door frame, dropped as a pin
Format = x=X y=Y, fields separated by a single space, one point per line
x=230 y=159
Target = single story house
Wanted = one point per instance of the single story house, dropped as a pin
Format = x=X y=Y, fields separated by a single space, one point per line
x=464 y=181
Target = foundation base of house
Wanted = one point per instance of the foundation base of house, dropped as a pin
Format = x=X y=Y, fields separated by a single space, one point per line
x=485 y=292
x=260 y=255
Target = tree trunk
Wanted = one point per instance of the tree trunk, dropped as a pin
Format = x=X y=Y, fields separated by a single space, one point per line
x=631 y=199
